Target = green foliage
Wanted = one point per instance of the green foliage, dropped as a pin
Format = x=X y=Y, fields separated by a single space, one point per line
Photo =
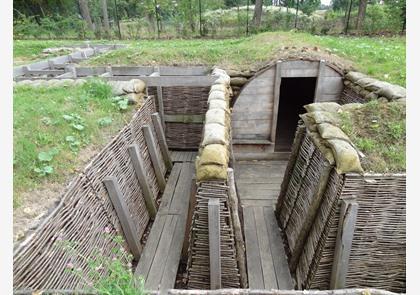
x=107 y=274
x=51 y=130
x=378 y=130
x=309 y=6
x=98 y=89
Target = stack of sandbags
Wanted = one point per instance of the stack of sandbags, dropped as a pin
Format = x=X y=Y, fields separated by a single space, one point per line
x=370 y=88
x=213 y=156
x=134 y=90
x=50 y=83
x=323 y=124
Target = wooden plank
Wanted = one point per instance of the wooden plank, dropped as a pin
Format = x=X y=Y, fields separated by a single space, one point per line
x=168 y=194
x=281 y=266
x=160 y=133
x=153 y=152
x=184 y=71
x=162 y=253
x=214 y=243
x=251 y=141
x=276 y=99
x=255 y=278
x=346 y=227
x=87 y=71
x=184 y=118
x=168 y=81
x=180 y=200
x=138 y=165
x=252 y=114
x=149 y=252
x=127 y=224
x=269 y=275
x=44 y=72
x=132 y=71
x=319 y=88
x=161 y=107
x=294 y=73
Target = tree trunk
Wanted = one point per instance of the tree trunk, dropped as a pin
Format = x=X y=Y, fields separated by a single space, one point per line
x=256 y=19
x=84 y=10
x=361 y=14
x=104 y=7
x=297 y=11
x=191 y=16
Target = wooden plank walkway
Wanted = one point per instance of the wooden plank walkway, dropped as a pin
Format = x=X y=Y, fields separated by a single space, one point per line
x=183 y=156
x=159 y=261
x=258 y=184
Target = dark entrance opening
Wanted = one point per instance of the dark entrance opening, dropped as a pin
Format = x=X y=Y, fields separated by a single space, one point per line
x=294 y=94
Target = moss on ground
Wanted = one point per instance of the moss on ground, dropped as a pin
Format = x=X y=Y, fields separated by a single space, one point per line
x=378 y=129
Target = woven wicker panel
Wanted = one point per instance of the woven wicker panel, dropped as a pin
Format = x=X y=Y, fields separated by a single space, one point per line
x=80 y=219
x=183 y=136
x=198 y=254
x=298 y=175
x=185 y=100
x=349 y=96
x=86 y=210
x=378 y=250
x=305 y=198
x=315 y=243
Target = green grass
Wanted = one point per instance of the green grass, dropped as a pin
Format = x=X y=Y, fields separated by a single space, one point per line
x=54 y=126
x=378 y=129
x=380 y=57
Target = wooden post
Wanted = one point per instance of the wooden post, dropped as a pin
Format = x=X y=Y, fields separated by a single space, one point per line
x=319 y=81
x=71 y=69
x=159 y=98
x=51 y=64
x=346 y=227
x=137 y=162
x=276 y=99
x=123 y=214
x=191 y=209
x=157 y=123
x=151 y=146
x=214 y=243
x=240 y=244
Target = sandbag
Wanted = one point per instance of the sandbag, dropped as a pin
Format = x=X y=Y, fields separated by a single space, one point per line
x=328 y=131
x=217 y=95
x=218 y=104
x=214 y=154
x=392 y=92
x=214 y=134
x=79 y=82
x=218 y=87
x=222 y=81
x=346 y=157
x=134 y=98
x=364 y=82
x=117 y=87
x=216 y=116
x=211 y=172
x=309 y=122
x=134 y=85
x=325 y=117
x=323 y=106
x=354 y=76
x=321 y=144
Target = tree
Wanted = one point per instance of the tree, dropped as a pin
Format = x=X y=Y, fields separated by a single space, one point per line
x=309 y=6
x=256 y=19
x=84 y=10
x=104 y=7
x=361 y=14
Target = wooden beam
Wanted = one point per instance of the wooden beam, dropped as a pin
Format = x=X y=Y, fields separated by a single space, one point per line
x=276 y=99
x=182 y=118
x=157 y=123
x=151 y=147
x=319 y=81
x=138 y=165
x=240 y=244
x=214 y=243
x=346 y=227
x=123 y=214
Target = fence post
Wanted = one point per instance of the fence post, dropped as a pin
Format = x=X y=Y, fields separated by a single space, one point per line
x=123 y=214
x=151 y=146
x=346 y=227
x=214 y=243
x=157 y=123
x=133 y=151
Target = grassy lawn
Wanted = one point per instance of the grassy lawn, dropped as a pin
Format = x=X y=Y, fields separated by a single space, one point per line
x=54 y=128
x=378 y=130
x=383 y=58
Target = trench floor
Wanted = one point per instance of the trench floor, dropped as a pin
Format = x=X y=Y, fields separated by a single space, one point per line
x=258 y=184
